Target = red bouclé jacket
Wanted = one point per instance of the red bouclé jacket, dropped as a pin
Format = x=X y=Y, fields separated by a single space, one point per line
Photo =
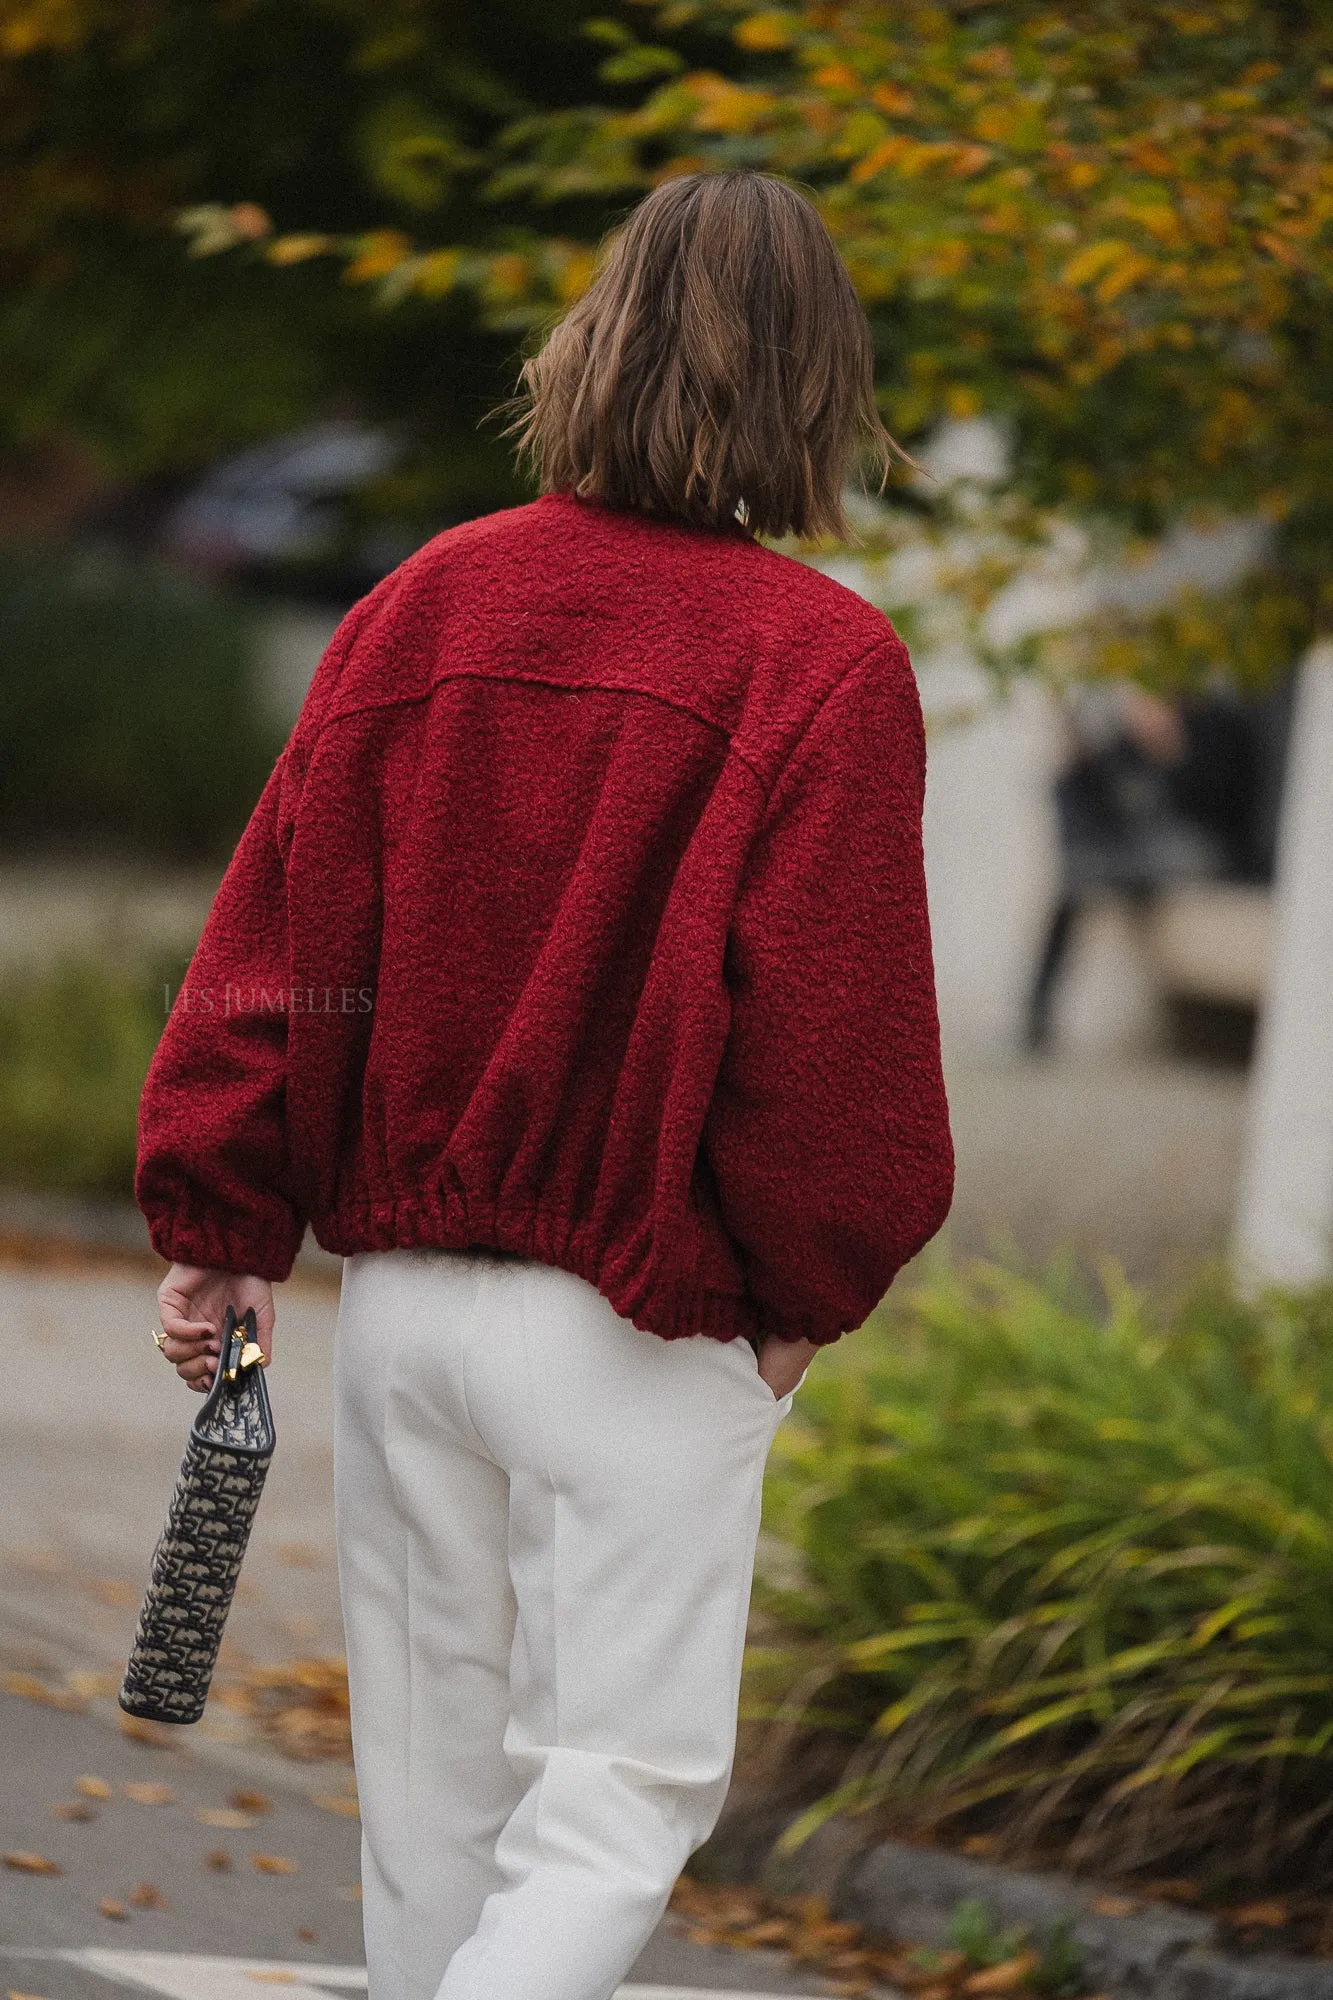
x=583 y=917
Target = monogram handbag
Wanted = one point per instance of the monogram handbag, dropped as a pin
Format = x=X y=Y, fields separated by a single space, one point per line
x=198 y=1555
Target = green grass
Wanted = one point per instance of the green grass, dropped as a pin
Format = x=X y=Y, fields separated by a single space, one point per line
x=75 y=1044
x=1062 y=1574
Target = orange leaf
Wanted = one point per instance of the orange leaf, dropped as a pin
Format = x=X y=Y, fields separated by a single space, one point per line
x=898 y=103
x=381 y=251
x=140 y=1730
x=272 y=1864
x=886 y=154
x=109 y=1907
x=1003 y=1978
x=32 y=1689
x=32 y=1864
x=146 y=1794
x=1272 y=1915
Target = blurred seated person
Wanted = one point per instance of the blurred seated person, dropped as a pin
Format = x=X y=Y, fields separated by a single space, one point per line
x=1152 y=792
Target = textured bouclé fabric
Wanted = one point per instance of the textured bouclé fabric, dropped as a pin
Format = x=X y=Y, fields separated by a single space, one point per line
x=582 y=917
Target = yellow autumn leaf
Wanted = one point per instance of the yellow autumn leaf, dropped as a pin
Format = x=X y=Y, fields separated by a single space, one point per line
x=1122 y=275
x=765 y=31
x=1156 y=218
x=1093 y=259
x=437 y=272
x=297 y=249
x=722 y=106
x=575 y=275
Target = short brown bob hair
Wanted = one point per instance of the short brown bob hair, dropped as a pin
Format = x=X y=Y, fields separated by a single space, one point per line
x=717 y=371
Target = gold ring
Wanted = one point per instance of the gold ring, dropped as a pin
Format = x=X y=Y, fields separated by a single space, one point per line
x=159 y=1340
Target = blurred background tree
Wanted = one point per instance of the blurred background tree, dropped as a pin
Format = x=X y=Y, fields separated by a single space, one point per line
x=1107 y=224
x=122 y=358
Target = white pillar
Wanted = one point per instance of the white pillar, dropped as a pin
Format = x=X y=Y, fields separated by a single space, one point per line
x=1284 y=1227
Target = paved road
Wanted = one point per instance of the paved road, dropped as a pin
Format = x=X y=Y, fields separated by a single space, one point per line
x=236 y=1860
x=91 y=1430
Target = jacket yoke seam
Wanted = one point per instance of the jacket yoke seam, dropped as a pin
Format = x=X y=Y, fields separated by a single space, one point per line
x=566 y=687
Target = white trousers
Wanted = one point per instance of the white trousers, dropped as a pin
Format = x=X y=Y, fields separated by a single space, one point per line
x=546 y=1532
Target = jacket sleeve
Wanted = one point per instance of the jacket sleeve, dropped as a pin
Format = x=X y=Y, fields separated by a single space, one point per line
x=828 y=1134
x=214 y=1173
x=213 y=1178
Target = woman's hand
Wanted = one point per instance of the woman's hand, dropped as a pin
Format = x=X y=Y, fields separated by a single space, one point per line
x=192 y=1305
x=783 y=1362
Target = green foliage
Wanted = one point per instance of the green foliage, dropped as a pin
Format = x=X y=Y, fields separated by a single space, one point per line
x=1065 y=1572
x=972 y=1931
x=127 y=708
x=75 y=1044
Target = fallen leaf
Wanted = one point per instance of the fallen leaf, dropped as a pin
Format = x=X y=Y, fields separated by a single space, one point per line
x=306 y=1935
x=1272 y=1916
x=140 y=1730
x=77 y=1809
x=226 y=1817
x=117 y=1912
x=148 y=1794
x=272 y=1864
x=14 y=1994
x=1174 y=1891
x=32 y=1864
x=114 y=1590
x=93 y=1684
x=33 y=1689
x=1003 y=1978
x=1113 y=1906
x=298 y=1555
x=980 y=1843
x=148 y=1897
x=337 y=1802
x=93 y=1788
x=251 y=1802
x=218 y=1859
x=351 y=1893
x=279 y=1976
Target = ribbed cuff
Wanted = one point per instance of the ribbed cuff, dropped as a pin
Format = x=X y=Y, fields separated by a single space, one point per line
x=211 y=1246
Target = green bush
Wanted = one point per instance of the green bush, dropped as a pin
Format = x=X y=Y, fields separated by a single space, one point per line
x=127 y=707
x=75 y=1044
x=1062 y=1576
